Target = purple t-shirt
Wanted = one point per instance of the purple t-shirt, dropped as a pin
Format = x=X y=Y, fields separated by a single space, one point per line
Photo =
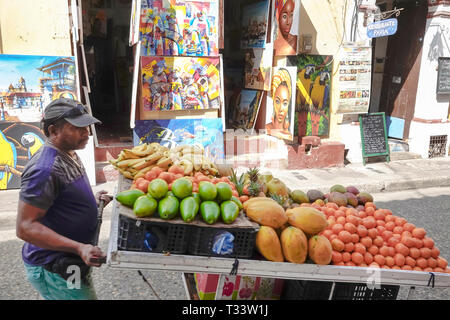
x=55 y=182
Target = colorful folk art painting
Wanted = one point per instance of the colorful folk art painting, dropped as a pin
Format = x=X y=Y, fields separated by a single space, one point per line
x=179 y=28
x=29 y=83
x=246 y=109
x=285 y=25
x=254 y=25
x=313 y=93
x=281 y=103
x=180 y=83
x=18 y=143
x=206 y=133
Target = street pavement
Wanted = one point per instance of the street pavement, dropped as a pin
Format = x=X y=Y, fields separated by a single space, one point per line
x=418 y=190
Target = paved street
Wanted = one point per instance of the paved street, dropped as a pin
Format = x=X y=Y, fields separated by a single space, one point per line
x=428 y=208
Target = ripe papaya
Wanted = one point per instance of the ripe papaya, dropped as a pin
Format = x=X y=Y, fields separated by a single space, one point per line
x=268 y=244
x=294 y=244
x=308 y=219
x=320 y=250
x=266 y=212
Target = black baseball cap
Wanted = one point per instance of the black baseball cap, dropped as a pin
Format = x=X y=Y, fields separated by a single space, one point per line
x=70 y=110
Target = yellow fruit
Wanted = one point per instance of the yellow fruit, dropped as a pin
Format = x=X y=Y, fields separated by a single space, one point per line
x=320 y=250
x=294 y=245
x=308 y=219
x=266 y=212
x=268 y=244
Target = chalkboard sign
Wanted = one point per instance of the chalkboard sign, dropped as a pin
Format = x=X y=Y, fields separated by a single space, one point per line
x=443 y=81
x=374 y=135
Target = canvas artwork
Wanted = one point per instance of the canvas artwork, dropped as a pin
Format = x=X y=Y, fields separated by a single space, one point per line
x=281 y=103
x=29 y=83
x=179 y=28
x=180 y=83
x=246 y=109
x=254 y=25
x=207 y=133
x=18 y=143
x=258 y=68
x=313 y=93
x=285 y=25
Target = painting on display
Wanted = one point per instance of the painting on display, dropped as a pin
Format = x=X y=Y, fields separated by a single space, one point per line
x=285 y=25
x=281 y=103
x=180 y=83
x=18 y=143
x=207 y=133
x=246 y=109
x=29 y=83
x=313 y=93
x=179 y=28
x=254 y=25
x=258 y=68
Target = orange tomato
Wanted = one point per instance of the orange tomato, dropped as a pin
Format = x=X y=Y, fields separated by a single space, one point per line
x=373 y=233
x=400 y=221
x=422 y=263
x=176 y=170
x=369 y=211
x=410 y=261
x=355 y=238
x=401 y=248
x=416 y=268
x=337 y=245
x=432 y=262
x=389 y=261
x=387 y=212
x=366 y=241
x=381 y=223
x=346 y=257
x=374 y=265
x=350 y=264
x=361 y=230
x=435 y=252
x=414 y=253
x=336 y=257
x=369 y=204
x=236 y=194
x=351 y=212
x=418 y=243
x=396 y=268
x=409 y=227
x=353 y=220
x=399 y=259
x=386 y=235
x=368 y=258
x=362 y=214
x=437 y=269
x=150 y=175
x=408 y=241
x=345 y=236
x=359 y=247
x=378 y=258
x=393 y=241
x=332 y=205
x=379 y=215
x=397 y=230
x=243 y=198
x=378 y=241
x=406 y=234
x=389 y=218
x=337 y=228
x=333 y=236
x=390 y=225
x=419 y=233
x=442 y=262
x=428 y=242
x=425 y=252
x=373 y=249
x=339 y=213
x=341 y=220
x=349 y=247
x=384 y=251
x=428 y=269
x=391 y=251
x=357 y=258
x=327 y=233
x=406 y=267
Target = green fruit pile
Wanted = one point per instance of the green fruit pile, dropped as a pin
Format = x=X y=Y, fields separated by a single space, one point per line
x=213 y=201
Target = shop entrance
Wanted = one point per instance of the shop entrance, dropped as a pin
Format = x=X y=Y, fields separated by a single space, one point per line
x=106 y=26
x=397 y=64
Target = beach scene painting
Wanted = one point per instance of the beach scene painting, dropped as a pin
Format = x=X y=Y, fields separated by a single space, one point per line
x=179 y=28
x=29 y=83
x=205 y=133
x=180 y=83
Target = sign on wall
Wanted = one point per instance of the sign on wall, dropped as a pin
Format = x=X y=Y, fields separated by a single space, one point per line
x=443 y=79
x=382 y=28
x=354 y=74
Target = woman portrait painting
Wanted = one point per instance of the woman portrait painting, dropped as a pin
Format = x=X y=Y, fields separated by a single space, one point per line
x=285 y=34
x=281 y=124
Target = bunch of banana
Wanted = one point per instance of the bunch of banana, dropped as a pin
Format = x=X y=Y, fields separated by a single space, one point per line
x=134 y=163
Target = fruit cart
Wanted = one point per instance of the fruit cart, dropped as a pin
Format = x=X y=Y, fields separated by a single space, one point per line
x=331 y=279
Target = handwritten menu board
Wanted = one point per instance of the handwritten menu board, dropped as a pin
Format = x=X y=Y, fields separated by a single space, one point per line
x=443 y=81
x=374 y=135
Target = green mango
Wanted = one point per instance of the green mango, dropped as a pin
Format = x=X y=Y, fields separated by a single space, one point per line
x=189 y=209
x=224 y=192
x=145 y=206
x=168 y=207
x=128 y=197
x=170 y=193
x=229 y=211
x=210 y=211
x=197 y=198
x=237 y=201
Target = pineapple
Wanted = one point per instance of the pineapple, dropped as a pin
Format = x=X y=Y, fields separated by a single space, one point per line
x=253 y=174
x=238 y=182
x=254 y=189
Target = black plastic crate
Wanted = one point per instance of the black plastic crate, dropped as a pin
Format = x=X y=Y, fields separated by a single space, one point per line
x=134 y=235
x=202 y=239
x=321 y=290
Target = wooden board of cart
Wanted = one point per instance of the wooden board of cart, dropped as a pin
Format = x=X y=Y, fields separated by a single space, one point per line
x=260 y=268
x=374 y=142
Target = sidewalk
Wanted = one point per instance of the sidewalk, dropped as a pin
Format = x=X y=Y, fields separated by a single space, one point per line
x=374 y=177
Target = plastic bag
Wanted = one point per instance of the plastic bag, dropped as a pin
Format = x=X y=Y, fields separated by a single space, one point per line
x=223 y=243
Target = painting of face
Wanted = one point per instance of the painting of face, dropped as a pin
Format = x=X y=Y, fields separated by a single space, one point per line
x=281 y=102
x=285 y=24
x=286 y=18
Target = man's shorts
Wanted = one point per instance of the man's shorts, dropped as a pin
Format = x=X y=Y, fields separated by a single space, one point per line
x=52 y=286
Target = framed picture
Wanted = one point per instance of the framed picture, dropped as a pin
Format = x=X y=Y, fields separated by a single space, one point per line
x=246 y=109
x=254 y=25
x=285 y=25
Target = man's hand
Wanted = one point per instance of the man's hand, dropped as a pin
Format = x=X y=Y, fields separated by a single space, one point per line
x=102 y=195
x=91 y=255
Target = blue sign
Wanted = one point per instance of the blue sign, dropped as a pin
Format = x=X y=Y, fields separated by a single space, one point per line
x=382 y=28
